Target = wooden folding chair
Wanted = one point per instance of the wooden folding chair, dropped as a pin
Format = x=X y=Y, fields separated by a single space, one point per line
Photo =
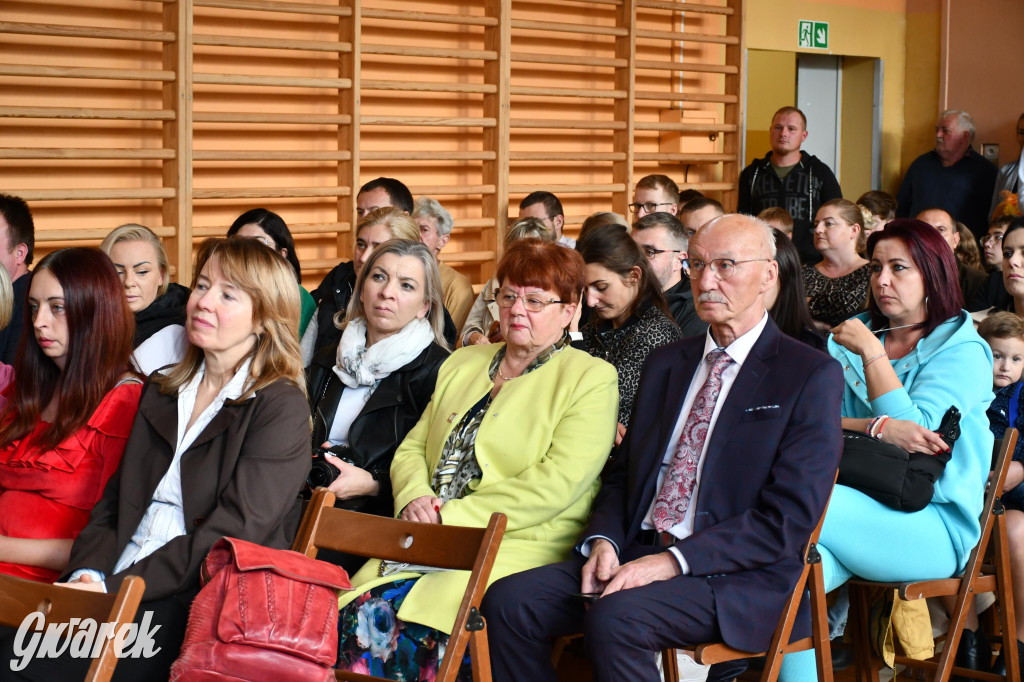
x=426 y=544
x=59 y=604
x=811 y=578
x=976 y=579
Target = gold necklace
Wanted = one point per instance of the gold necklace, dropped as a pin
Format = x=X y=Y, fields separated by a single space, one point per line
x=503 y=377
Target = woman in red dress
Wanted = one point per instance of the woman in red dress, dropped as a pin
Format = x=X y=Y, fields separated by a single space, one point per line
x=70 y=410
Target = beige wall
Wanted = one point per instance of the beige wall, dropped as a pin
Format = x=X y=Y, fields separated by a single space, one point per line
x=771 y=85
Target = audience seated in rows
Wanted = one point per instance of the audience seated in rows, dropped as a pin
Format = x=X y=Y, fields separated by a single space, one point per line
x=157 y=303
x=69 y=411
x=220 y=447
x=628 y=314
x=677 y=559
x=435 y=225
x=482 y=325
x=269 y=229
x=906 y=361
x=837 y=286
x=369 y=390
x=521 y=428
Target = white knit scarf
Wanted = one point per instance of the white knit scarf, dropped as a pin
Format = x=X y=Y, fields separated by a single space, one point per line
x=358 y=365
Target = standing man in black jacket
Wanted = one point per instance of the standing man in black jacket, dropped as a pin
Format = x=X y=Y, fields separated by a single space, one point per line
x=790 y=178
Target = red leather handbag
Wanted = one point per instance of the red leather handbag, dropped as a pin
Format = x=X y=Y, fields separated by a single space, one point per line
x=263 y=614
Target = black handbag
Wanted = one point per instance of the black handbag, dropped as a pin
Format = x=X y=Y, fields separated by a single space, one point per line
x=899 y=479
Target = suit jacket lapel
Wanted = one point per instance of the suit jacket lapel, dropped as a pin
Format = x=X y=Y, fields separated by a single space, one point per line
x=161 y=416
x=220 y=422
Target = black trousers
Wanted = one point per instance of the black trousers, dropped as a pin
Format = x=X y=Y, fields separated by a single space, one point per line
x=170 y=614
x=526 y=611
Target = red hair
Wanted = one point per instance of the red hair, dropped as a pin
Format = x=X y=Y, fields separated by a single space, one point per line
x=546 y=265
x=101 y=329
x=937 y=264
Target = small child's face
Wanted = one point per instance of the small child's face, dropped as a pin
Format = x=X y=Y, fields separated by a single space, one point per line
x=1007 y=360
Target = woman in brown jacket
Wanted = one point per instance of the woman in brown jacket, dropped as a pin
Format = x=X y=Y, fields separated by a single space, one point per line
x=220 y=447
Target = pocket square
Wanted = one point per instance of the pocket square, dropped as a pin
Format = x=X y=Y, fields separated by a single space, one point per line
x=761 y=407
x=760 y=413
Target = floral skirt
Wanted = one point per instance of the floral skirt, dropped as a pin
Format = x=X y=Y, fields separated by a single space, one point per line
x=373 y=641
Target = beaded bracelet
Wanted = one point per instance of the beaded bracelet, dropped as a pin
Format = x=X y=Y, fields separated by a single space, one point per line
x=871 y=425
x=881 y=425
x=873 y=358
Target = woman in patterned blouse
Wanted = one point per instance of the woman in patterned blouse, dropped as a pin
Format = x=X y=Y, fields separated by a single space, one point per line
x=837 y=287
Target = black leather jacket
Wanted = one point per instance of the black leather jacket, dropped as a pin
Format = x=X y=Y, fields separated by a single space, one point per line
x=390 y=413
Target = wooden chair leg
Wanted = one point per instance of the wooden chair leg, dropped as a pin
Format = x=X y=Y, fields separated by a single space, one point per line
x=1004 y=588
x=819 y=623
x=480 y=656
x=861 y=610
x=669 y=665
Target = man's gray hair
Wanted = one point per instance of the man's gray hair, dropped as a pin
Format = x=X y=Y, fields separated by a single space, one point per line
x=964 y=121
x=432 y=208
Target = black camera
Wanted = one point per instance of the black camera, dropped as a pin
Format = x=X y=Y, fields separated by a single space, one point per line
x=323 y=473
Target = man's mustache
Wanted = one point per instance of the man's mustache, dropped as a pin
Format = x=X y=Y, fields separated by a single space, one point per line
x=711 y=297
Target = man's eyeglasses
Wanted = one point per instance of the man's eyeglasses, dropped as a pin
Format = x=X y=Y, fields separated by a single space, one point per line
x=992 y=239
x=532 y=302
x=723 y=268
x=649 y=207
x=651 y=252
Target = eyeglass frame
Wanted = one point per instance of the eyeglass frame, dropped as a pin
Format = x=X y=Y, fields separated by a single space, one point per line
x=715 y=269
x=651 y=252
x=988 y=238
x=634 y=208
x=521 y=297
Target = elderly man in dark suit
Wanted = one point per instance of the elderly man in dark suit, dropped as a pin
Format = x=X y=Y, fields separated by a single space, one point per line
x=698 y=531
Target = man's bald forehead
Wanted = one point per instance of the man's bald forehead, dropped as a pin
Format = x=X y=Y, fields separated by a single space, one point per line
x=744 y=231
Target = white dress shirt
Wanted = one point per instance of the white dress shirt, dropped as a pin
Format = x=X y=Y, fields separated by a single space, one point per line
x=738 y=350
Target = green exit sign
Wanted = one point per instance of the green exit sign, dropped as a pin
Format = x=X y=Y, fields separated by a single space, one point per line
x=813 y=34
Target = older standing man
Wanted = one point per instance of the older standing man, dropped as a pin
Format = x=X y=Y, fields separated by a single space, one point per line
x=435 y=225
x=697 y=533
x=952 y=176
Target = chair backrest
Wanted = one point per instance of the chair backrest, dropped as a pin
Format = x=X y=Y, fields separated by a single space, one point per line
x=59 y=604
x=426 y=544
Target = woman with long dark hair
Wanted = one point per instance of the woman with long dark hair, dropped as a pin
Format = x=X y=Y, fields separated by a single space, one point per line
x=70 y=410
x=629 y=316
x=269 y=229
x=787 y=302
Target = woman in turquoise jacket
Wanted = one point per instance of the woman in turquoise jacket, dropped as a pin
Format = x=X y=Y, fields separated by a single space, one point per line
x=906 y=361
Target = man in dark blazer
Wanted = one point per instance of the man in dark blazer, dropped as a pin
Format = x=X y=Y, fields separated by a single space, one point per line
x=764 y=474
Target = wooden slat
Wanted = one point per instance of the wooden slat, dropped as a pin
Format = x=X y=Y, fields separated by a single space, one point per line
x=427 y=156
x=427 y=121
x=532 y=58
x=86 y=113
x=435 y=52
x=688 y=37
x=563 y=27
x=247 y=117
x=270 y=192
x=473 y=223
x=322 y=264
x=426 y=86
x=84 y=72
x=687 y=97
x=686 y=66
x=77 y=234
x=567 y=92
x=684 y=158
x=68 y=153
x=64 y=31
x=566 y=156
x=240 y=155
x=92 y=194
x=469 y=256
x=568 y=125
x=272 y=6
x=429 y=17
x=712 y=186
x=688 y=127
x=275 y=81
x=272 y=43
x=568 y=189
x=450 y=190
x=685 y=7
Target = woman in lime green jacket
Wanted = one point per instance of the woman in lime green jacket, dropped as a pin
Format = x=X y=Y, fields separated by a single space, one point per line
x=523 y=428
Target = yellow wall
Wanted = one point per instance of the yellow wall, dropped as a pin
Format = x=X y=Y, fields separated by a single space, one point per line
x=922 y=82
x=771 y=85
x=859 y=28
x=857 y=122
